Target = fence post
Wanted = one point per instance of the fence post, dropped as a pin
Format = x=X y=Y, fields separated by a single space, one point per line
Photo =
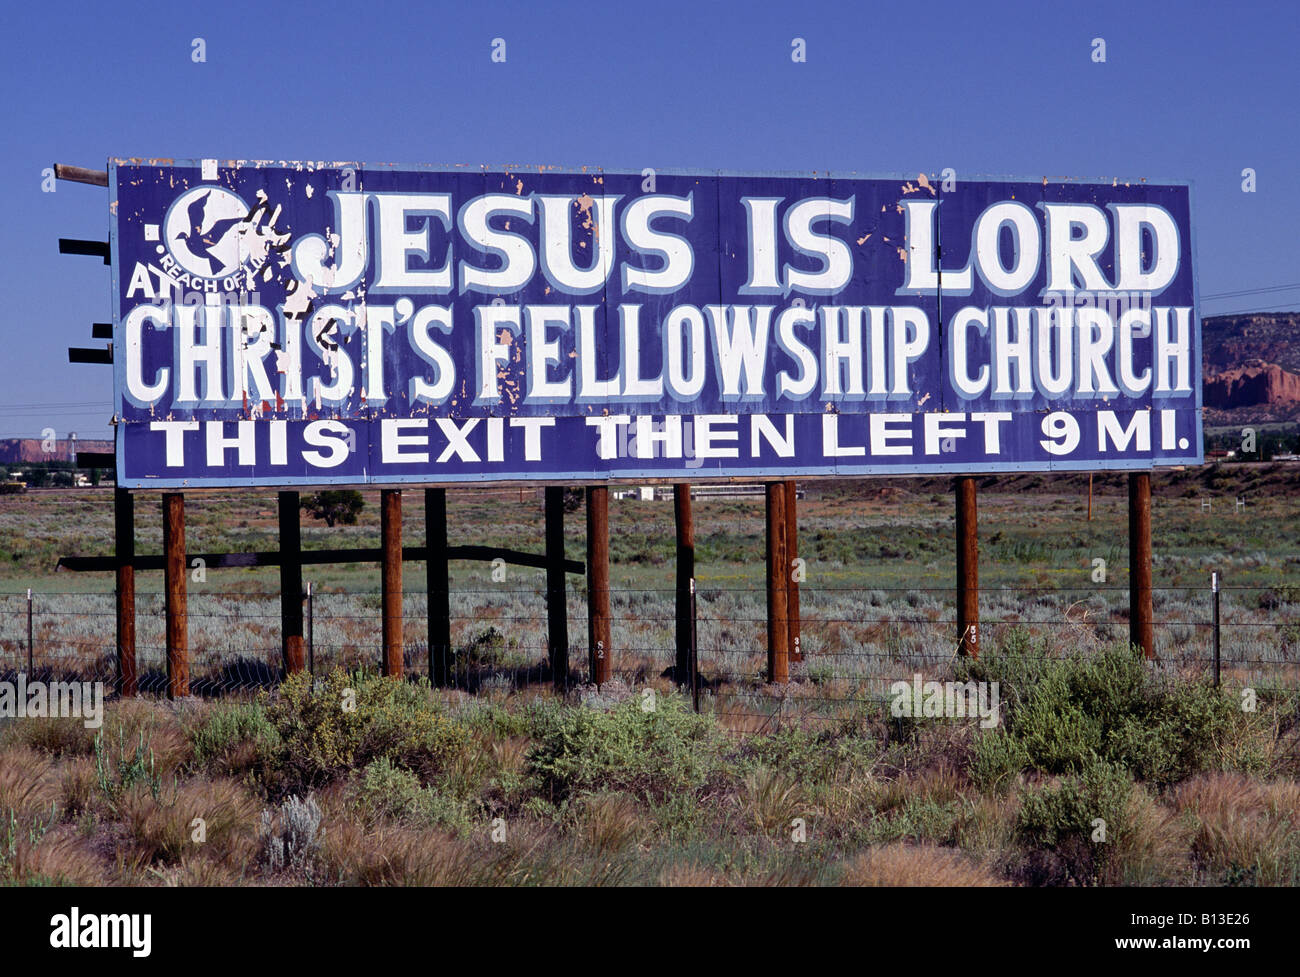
x=311 y=631
x=178 y=647
x=778 y=634
x=290 y=582
x=685 y=581
x=1139 y=549
x=557 y=609
x=694 y=654
x=968 y=569
x=437 y=585
x=124 y=556
x=598 y=620
x=794 y=643
x=29 y=633
x=1214 y=587
x=390 y=502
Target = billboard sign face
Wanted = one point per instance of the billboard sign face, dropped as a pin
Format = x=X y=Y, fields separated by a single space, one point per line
x=290 y=324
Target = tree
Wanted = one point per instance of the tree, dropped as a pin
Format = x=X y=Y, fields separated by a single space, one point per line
x=334 y=506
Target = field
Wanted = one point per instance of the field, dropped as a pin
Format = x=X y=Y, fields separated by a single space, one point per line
x=501 y=782
x=877 y=595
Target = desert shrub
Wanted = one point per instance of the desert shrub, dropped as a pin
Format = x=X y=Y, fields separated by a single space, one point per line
x=387 y=790
x=811 y=756
x=345 y=721
x=664 y=751
x=1066 y=715
x=121 y=764
x=234 y=737
x=1061 y=820
x=919 y=819
x=290 y=838
x=996 y=758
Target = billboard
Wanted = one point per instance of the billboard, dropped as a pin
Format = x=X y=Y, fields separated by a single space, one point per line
x=294 y=323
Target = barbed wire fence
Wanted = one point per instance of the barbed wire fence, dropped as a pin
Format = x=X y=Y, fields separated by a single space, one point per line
x=856 y=642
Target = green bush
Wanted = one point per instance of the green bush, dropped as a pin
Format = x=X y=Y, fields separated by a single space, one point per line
x=654 y=754
x=1065 y=820
x=386 y=790
x=345 y=721
x=996 y=758
x=1068 y=714
x=234 y=736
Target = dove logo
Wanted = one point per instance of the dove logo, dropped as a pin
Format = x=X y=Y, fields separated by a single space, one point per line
x=203 y=231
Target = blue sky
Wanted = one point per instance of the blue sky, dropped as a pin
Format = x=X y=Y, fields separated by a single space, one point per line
x=1189 y=91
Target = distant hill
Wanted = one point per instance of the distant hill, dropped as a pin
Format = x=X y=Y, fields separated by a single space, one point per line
x=1229 y=342
x=14 y=451
x=1251 y=365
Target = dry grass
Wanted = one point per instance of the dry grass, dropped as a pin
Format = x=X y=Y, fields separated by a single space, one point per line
x=160 y=726
x=391 y=855
x=57 y=737
x=77 y=782
x=198 y=871
x=769 y=800
x=29 y=785
x=164 y=829
x=1243 y=829
x=916 y=865
x=611 y=822
x=1153 y=848
x=941 y=785
x=61 y=856
x=691 y=875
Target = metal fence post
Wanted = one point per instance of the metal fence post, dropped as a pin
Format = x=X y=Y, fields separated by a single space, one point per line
x=29 y=632
x=311 y=632
x=1214 y=587
x=694 y=654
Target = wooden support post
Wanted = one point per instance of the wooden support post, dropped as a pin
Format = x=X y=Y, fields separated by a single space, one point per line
x=557 y=609
x=791 y=582
x=390 y=517
x=291 y=596
x=778 y=633
x=968 y=570
x=598 y=619
x=178 y=649
x=1139 y=557
x=437 y=585
x=685 y=574
x=124 y=555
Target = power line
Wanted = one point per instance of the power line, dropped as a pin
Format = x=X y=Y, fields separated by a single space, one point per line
x=1289 y=306
x=1249 y=291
